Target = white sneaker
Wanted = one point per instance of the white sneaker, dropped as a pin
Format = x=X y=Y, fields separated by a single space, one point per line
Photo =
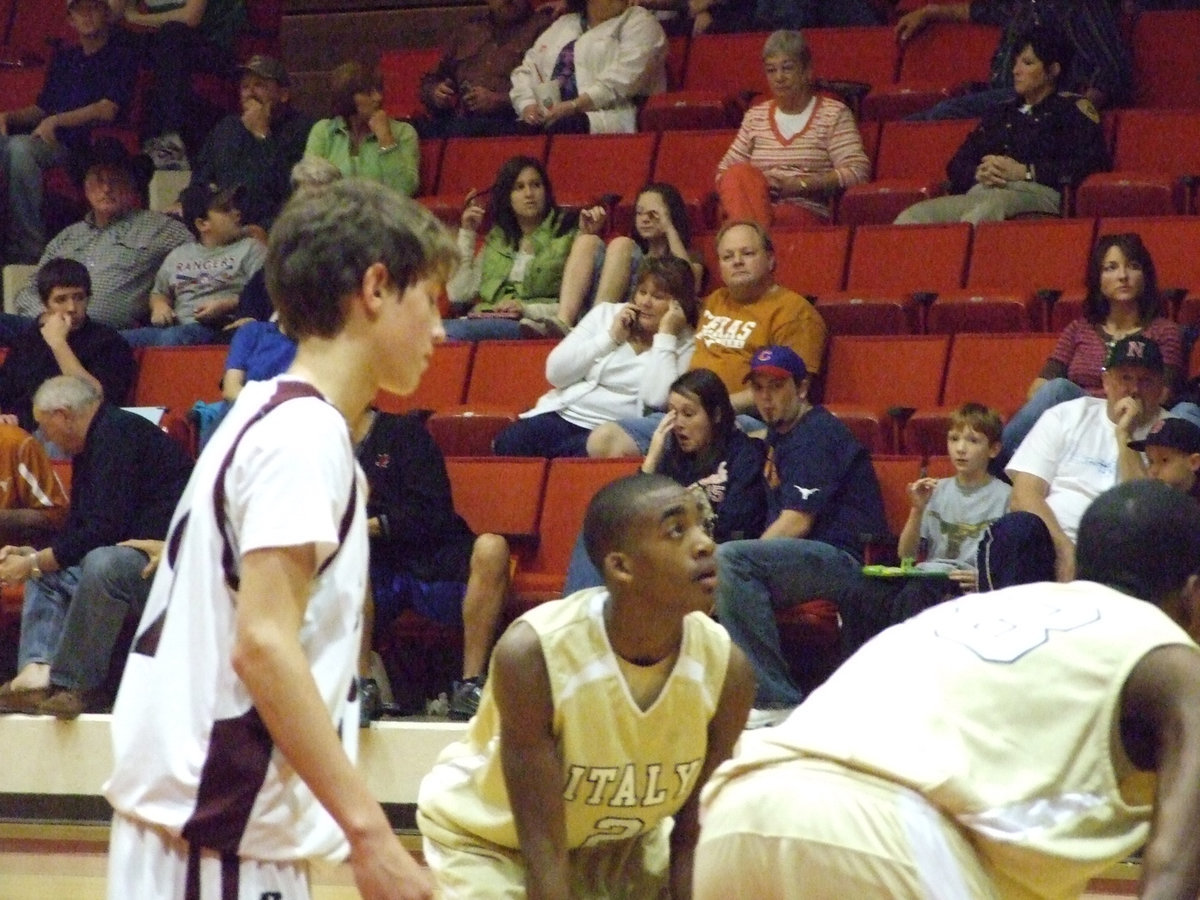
x=767 y=718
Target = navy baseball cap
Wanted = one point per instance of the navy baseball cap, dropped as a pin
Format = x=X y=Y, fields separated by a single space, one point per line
x=778 y=360
x=1135 y=350
x=1178 y=434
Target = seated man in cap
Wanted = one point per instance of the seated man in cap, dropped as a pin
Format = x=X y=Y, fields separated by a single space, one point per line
x=121 y=244
x=822 y=496
x=258 y=147
x=85 y=85
x=196 y=290
x=1081 y=448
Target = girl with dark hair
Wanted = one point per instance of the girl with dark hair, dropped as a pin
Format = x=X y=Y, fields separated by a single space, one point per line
x=518 y=271
x=595 y=274
x=1122 y=300
x=699 y=445
x=361 y=139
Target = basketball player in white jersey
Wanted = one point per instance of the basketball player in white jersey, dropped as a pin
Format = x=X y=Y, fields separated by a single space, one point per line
x=236 y=722
x=1008 y=745
x=604 y=714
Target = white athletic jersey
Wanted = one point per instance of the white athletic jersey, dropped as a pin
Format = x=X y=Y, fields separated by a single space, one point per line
x=625 y=770
x=191 y=754
x=1073 y=448
x=1002 y=710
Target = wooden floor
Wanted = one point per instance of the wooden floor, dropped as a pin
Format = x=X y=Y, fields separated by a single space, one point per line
x=55 y=862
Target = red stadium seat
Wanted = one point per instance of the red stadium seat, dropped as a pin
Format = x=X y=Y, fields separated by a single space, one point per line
x=175 y=378
x=977 y=310
x=443 y=385
x=429 y=164
x=910 y=167
x=870 y=380
x=579 y=180
x=569 y=488
x=689 y=160
x=811 y=261
x=931 y=65
x=401 y=71
x=1155 y=163
x=1165 y=63
x=499 y=495
x=471 y=164
x=890 y=267
x=993 y=369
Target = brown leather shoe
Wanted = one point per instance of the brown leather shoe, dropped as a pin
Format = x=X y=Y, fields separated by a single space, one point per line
x=26 y=702
x=63 y=704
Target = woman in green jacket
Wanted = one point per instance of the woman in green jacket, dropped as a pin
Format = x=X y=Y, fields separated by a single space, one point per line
x=515 y=276
x=361 y=139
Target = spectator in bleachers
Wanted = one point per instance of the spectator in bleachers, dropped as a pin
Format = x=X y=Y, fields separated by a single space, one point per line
x=1100 y=67
x=361 y=139
x=619 y=362
x=1172 y=451
x=85 y=85
x=750 y=312
x=798 y=149
x=467 y=94
x=590 y=70
x=947 y=518
x=822 y=497
x=1122 y=301
x=660 y=228
x=33 y=504
x=1026 y=148
x=518 y=272
x=63 y=340
x=258 y=147
x=127 y=478
x=121 y=245
x=698 y=444
x=177 y=40
x=794 y=14
x=1080 y=448
x=424 y=556
x=196 y=290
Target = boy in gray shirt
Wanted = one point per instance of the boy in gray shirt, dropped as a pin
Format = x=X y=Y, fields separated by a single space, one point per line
x=197 y=286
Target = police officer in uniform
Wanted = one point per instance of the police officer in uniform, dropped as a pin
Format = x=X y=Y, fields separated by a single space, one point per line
x=1021 y=154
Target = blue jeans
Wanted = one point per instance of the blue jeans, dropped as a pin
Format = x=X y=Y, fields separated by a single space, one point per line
x=170 y=336
x=758 y=577
x=1052 y=393
x=111 y=589
x=73 y=617
x=23 y=158
x=465 y=329
x=546 y=434
x=580 y=571
x=968 y=106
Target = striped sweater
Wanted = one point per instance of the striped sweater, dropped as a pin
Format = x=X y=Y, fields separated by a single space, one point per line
x=830 y=140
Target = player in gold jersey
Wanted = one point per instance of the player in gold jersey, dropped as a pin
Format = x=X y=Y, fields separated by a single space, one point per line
x=1006 y=745
x=604 y=714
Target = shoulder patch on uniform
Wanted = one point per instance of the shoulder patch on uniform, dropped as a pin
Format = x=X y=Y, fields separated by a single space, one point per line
x=1085 y=106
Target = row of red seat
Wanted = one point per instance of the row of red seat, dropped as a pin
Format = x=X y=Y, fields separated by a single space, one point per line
x=710 y=75
x=1156 y=168
x=539 y=505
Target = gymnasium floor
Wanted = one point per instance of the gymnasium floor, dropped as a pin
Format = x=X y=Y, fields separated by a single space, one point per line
x=57 y=862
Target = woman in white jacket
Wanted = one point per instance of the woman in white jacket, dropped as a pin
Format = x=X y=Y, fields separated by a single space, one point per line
x=619 y=361
x=604 y=56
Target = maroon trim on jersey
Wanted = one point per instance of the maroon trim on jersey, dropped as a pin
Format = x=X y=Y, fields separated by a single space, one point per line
x=147 y=642
x=231 y=876
x=235 y=767
x=284 y=391
x=191 y=878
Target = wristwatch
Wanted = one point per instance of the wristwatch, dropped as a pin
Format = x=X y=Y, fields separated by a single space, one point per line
x=35 y=571
x=1029 y=173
